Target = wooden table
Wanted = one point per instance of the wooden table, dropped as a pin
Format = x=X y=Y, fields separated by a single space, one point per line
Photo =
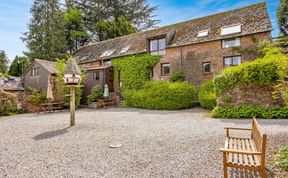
x=50 y=107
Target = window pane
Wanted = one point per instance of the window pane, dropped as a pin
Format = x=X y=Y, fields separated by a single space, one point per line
x=230 y=43
x=162 y=44
x=165 y=68
x=227 y=61
x=207 y=67
x=153 y=45
x=236 y=60
x=155 y=52
x=162 y=52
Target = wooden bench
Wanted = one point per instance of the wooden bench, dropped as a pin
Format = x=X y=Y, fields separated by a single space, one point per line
x=245 y=153
x=50 y=107
x=106 y=102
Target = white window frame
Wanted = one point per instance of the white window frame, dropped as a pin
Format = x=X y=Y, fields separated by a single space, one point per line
x=203 y=33
x=125 y=49
x=107 y=53
x=231 y=61
x=165 y=65
x=229 y=43
x=233 y=29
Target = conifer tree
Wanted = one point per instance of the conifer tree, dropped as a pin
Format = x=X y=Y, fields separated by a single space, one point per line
x=19 y=66
x=45 y=38
x=3 y=62
x=282 y=14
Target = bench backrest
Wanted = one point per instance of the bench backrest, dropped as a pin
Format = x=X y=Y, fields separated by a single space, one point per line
x=259 y=138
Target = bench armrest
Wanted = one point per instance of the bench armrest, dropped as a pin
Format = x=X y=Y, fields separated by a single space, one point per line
x=235 y=128
x=240 y=151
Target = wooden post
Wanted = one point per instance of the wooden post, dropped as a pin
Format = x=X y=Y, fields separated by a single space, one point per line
x=72 y=106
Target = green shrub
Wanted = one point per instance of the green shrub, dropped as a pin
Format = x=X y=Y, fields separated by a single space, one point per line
x=282 y=158
x=177 y=77
x=271 y=68
x=37 y=98
x=161 y=95
x=8 y=103
x=207 y=96
x=96 y=94
x=248 y=111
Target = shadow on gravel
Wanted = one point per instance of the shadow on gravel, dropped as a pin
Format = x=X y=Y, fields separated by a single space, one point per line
x=51 y=134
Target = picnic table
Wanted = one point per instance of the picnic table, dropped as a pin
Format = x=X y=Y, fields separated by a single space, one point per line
x=50 y=107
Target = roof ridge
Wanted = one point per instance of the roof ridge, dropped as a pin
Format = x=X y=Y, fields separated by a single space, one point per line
x=41 y=60
x=178 y=23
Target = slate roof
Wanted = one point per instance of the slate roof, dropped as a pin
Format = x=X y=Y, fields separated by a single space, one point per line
x=11 y=84
x=72 y=67
x=253 y=19
x=48 y=65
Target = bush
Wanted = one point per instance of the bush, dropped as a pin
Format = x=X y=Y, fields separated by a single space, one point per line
x=177 y=77
x=248 y=111
x=207 y=96
x=96 y=94
x=37 y=97
x=271 y=68
x=161 y=95
x=282 y=158
x=8 y=103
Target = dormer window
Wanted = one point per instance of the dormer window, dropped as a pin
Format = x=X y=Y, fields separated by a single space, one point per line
x=125 y=49
x=202 y=33
x=231 y=30
x=107 y=53
x=157 y=46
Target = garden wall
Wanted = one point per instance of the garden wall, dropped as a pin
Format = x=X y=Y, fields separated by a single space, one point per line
x=261 y=95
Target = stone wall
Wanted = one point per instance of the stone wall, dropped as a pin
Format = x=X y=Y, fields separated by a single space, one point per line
x=189 y=58
x=250 y=95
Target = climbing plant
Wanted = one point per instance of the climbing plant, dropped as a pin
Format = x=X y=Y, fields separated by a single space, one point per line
x=133 y=70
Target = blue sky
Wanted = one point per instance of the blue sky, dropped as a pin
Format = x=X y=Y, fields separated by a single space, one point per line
x=14 y=16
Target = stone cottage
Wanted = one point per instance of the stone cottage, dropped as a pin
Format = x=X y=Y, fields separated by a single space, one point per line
x=200 y=48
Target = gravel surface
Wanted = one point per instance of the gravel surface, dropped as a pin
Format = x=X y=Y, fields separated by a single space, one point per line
x=148 y=143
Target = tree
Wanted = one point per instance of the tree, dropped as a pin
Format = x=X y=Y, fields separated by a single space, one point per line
x=76 y=32
x=45 y=38
x=138 y=12
x=19 y=65
x=282 y=14
x=3 y=62
x=111 y=29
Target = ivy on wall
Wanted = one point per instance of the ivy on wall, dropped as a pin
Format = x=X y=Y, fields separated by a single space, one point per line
x=267 y=70
x=133 y=69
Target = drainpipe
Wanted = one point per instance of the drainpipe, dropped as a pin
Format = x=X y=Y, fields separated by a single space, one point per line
x=181 y=59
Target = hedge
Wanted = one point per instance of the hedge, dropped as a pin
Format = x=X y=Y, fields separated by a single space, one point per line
x=8 y=103
x=207 y=96
x=248 y=111
x=161 y=95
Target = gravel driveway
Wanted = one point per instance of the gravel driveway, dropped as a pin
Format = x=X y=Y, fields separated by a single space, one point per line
x=154 y=143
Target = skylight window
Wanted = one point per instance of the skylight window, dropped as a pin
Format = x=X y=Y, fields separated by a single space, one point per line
x=107 y=53
x=125 y=49
x=231 y=30
x=202 y=33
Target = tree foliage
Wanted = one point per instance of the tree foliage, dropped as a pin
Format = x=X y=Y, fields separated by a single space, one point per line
x=106 y=29
x=3 y=62
x=19 y=65
x=282 y=14
x=76 y=32
x=45 y=38
x=138 y=12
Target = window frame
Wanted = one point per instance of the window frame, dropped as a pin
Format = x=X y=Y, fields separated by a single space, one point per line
x=224 y=65
x=230 y=26
x=235 y=39
x=202 y=33
x=203 y=67
x=35 y=72
x=96 y=75
x=158 y=46
x=162 y=68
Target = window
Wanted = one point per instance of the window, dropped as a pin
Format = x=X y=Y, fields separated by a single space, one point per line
x=232 y=42
x=96 y=75
x=165 y=69
x=231 y=30
x=206 y=67
x=151 y=73
x=35 y=71
x=107 y=62
x=232 y=61
x=202 y=33
x=125 y=49
x=158 y=46
x=107 y=53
